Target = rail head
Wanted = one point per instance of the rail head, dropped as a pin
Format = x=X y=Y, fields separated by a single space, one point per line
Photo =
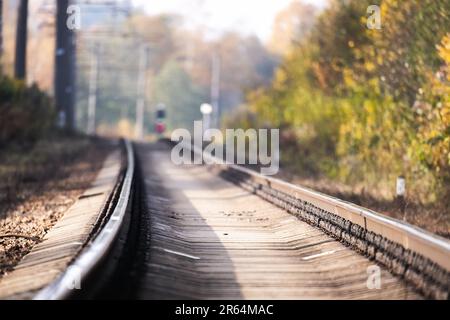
x=431 y=246
x=95 y=251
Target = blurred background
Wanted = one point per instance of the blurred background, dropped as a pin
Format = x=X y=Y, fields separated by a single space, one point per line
x=186 y=46
x=357 y=107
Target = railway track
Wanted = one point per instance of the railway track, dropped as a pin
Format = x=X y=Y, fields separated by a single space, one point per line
x=225 y=232
x=99 y=251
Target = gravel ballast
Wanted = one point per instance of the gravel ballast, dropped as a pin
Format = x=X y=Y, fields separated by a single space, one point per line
x=41 y=200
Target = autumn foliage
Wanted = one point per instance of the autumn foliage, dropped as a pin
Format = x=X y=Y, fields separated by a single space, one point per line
x=361 y=105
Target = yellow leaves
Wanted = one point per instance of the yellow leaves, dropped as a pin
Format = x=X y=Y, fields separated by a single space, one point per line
x=320 y=76
x=280 y=79
x=444 y=53
x=445 y=114
x=349 y=80
x=444 y=49
x=434 y=120
x=354 y=93
x=369 y=66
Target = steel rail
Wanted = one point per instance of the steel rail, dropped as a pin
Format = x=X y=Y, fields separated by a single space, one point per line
x=410 y=237
x=398 y=242
x=98 y=249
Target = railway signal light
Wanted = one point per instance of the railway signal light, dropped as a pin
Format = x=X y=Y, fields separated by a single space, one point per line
x=160 y=111
x=160 y=126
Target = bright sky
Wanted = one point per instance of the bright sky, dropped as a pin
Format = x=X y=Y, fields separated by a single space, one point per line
x=247 y=16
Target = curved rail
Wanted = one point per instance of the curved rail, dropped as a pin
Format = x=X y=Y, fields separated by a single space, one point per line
x=98 y=249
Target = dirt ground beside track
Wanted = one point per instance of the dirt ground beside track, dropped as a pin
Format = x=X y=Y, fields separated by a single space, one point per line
x=37 y=186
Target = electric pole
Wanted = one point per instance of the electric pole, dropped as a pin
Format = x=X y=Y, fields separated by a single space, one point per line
x=141 y=92
x=215 y=88
x=20 y=65
x=64 y=68
x=92 y=103
x=1 y=28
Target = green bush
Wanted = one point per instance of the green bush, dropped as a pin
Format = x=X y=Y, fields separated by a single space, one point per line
x=366 y=106
x=26 y=113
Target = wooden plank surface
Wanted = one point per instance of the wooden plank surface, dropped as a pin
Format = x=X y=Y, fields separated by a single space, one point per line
x=65 y=240
x=209 y=239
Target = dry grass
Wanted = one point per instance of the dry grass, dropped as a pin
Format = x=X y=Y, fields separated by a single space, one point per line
x=432 y=217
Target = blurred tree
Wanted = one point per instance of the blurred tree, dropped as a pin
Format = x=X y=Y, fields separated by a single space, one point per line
x=245 y=63
x=21 y=40
x=432 y=110
x=291 y=26
x=185 y=54
x=41 y=46
x=405 y=50
x=338 y=32
x=367 y=105
x=174 y=88
x=9 y=24
x=1 y=30
x=158 y=31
